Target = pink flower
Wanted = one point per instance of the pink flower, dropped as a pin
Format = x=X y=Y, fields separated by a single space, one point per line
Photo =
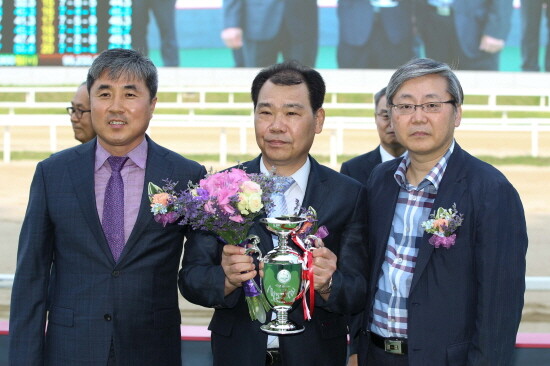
x=236 y=218
x=440 y=224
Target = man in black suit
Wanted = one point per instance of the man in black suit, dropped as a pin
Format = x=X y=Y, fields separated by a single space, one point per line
x=288 y=113
x=361 y=166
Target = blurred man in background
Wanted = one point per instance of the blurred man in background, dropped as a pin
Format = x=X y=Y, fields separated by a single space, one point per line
x=465 y=34
x=81 y=118
x=374 y=37
x=269 y=27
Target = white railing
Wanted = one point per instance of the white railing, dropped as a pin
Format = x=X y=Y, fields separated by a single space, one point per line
x=336 y=127
x=532 y=283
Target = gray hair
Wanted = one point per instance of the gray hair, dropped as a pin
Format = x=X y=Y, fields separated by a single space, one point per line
x=119 y=62
x=418 y=67
x=377 y=97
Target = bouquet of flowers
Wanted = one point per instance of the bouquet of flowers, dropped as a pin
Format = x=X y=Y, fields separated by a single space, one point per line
x=226 y=204
x=443 y=226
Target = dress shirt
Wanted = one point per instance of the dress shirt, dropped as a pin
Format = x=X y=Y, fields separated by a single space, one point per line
x=133 y=176
x=414 y=204
x=386 y=156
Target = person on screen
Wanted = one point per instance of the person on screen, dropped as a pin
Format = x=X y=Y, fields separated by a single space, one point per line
x=81 y=118
x=532 y=11
x=374 y=37
x=288 y=113
x=465 y=34
x=447 y=238
x=269 y=28
x=112 y=299
x=165 y=17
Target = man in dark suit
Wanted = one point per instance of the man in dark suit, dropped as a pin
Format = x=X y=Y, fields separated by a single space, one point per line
x=374 y=37
x=288 y=114
x=454 y=299
x=532 y=11
x=268 y=27
x=466 y=34
x=111 y=297
x=361 y=166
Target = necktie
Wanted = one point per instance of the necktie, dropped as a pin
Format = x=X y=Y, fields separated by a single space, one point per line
x=113 y=207
x=282 y=184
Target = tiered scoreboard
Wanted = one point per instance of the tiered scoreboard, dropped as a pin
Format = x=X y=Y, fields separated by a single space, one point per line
x=61 y=32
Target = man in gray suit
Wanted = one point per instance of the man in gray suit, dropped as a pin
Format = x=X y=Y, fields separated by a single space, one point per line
x=92 y=260
x=466 y=34
x=265 y=28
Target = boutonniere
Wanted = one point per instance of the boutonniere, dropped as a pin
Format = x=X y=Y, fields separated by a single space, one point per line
x=443 y=226
x=164 y=202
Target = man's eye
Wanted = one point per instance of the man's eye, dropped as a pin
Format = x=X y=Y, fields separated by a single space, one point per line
x=405 y=107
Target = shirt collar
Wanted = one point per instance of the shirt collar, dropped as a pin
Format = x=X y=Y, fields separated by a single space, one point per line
x=138 y=155
x=434 y=177
x=300 y=176
x=386 y=156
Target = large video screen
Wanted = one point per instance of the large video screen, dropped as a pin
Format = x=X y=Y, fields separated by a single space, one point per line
x=61 y=32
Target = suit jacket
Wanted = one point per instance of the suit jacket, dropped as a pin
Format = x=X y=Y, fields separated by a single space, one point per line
x=236 y=340
x=360 y=167
x=357 y=20
x=465 y=302
x=261 y=20
x=92 y=299
x=473 y=19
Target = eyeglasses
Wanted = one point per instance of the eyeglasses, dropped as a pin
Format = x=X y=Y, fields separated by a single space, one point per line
x=430 y=107
x=79 y=112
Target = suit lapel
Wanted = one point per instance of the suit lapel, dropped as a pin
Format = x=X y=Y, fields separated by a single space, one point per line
x=450 y=191
x=156 y=169
x=82 y=176
x=317 y=190
x=381 y=220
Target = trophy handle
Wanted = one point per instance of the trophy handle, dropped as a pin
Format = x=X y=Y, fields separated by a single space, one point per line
x=251 y=247
x=312 y=242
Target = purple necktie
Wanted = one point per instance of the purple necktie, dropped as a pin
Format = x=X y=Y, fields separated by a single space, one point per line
x=113 y=207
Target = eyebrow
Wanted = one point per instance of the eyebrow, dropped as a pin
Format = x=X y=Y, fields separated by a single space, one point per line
x=109 y=86
x=287 y=105
x=410 y=96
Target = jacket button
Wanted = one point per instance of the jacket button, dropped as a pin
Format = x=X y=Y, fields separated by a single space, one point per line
x=107 y=317
x=115 y=273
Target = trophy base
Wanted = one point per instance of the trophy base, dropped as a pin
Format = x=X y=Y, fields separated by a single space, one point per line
x=275 y=328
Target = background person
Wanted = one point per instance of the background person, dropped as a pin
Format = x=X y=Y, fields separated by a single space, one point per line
x=374 y=37
x=465 y=34
x=265 y=29
x=531 y=13
x=81 y=119
x=288 y=113
x=440 y=300
x=113 y=299
x=361 y=166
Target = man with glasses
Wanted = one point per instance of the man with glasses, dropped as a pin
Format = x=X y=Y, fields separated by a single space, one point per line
x=361 y=166
x=446 y=238
x=81 y=119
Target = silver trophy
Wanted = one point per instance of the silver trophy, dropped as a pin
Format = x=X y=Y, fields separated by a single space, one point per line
x=282 y=280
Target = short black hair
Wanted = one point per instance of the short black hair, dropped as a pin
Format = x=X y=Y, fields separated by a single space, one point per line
x=292 y=73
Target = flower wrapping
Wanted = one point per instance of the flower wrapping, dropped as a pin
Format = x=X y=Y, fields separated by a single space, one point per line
x=443 y=225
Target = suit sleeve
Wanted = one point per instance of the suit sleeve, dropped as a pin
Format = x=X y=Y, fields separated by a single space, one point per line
x=30 y=286
x=501 y=245
x=349 y=284
x=499 y=18
x=233 y=13
x=345 y=170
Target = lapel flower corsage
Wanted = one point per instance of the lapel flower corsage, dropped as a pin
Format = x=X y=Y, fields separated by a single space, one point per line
x=164 y=202
x=443 y=226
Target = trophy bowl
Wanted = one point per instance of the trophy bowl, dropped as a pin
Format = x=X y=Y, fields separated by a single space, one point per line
x=282 y=280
